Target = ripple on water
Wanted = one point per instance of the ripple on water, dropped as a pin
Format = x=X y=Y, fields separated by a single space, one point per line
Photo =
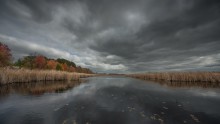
x=116 y=101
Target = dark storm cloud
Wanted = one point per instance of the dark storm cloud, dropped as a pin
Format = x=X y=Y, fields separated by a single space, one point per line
x=117 y=35
x=179 y=34
x=39 y=9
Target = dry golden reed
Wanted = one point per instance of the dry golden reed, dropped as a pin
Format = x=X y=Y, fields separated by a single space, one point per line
x=8 y=75
x=213 y=77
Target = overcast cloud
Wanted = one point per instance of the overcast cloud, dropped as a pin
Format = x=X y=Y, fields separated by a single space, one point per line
x=119 y=36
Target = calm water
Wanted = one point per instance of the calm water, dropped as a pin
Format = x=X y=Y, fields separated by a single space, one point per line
x=112 y=100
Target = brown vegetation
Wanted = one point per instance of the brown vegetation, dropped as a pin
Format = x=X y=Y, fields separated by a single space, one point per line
x=8 y=75
x=212 y=77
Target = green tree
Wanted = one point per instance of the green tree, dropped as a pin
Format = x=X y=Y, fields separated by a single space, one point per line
x=69 y=63
x=59 y=67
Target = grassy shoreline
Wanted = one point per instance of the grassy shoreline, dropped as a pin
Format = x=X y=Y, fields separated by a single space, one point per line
x=8 y=76
x=212 y=77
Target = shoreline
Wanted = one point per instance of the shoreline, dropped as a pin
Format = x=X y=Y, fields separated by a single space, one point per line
x=9 y=76
x=207 y=77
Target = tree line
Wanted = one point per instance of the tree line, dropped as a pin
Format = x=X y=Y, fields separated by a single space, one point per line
x=39 y=62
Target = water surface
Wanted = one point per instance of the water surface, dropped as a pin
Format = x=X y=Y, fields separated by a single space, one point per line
x=112 y=100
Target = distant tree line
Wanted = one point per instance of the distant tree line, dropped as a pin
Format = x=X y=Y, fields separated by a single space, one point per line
x=39 y=62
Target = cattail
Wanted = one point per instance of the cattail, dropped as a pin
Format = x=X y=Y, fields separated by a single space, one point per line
x=25 y=75
x=212 y=77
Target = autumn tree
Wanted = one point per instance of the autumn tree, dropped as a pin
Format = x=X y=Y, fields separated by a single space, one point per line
x=40 y=62
x=5 y=55
x=79 y=69
x=72 y=69
x=52 y=64
x=65 y=67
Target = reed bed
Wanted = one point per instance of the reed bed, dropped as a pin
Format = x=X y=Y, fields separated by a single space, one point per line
x=213 y=77
x=8 y=75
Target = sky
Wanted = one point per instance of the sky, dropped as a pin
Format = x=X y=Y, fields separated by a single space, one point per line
x=116 y=36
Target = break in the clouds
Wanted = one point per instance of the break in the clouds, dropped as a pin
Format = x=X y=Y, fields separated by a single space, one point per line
x=116 y=35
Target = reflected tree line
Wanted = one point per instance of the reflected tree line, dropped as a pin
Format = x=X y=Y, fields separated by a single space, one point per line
x=38 y=88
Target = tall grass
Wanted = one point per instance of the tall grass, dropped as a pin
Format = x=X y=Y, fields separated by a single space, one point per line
x=8 y=75
x=213 y=77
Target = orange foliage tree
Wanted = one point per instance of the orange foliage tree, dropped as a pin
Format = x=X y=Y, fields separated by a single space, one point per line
x=64 y=67
x=41 y=62
x=52 y=64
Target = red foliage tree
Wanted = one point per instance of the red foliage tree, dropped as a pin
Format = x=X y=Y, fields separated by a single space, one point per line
x=5 y=55
x=65 y=67
x=40 y=62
